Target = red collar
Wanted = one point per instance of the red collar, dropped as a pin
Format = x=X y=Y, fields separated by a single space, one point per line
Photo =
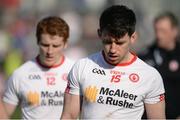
x=54 y=66
x=122 y=64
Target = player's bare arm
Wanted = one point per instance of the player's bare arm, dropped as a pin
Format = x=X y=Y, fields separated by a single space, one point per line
x=71 y=108
x=9 y=108
x=3 y=114
x=156 y=111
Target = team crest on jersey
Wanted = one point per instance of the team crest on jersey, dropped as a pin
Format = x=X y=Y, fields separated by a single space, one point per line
x=64 y=76
x=134 y=77
x=173 y=65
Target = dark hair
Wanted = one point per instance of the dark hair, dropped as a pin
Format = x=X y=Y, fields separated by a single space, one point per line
x=52 y=25
x=118 y=20
x=170 y=16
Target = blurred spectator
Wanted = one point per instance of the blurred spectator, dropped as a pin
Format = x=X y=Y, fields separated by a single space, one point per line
x=12 y=61
x=2 y=82
x=5 y=44
x=164 y=55
x=74 y=20
x=75 y=52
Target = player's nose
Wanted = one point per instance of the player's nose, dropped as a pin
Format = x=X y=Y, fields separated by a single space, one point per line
x=50 y=50
x=113 y=47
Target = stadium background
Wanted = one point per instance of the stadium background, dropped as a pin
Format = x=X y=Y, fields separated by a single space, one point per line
x=18 y=19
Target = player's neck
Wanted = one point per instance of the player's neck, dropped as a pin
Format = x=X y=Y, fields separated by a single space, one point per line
x=57 y=64
x=127 y=58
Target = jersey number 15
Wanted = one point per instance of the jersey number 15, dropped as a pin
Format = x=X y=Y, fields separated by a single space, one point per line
x=116 y=78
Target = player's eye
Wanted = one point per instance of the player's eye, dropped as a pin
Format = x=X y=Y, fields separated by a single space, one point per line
x=44 y=45
x=119 y=43
x=107 y=41
x=55 y=46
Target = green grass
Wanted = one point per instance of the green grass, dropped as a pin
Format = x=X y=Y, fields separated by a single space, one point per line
x=17 y=113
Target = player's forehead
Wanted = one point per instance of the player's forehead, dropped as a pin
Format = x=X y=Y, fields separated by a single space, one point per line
x=55 y=39
x=111 y=37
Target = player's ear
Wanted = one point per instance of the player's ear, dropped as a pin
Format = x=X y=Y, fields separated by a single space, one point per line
x=175 y=31
x=134 y=37
x=99 y=32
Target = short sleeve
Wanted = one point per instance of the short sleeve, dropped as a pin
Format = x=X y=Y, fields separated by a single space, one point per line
x=11 y=91
x=156 y=93
x=74 y=77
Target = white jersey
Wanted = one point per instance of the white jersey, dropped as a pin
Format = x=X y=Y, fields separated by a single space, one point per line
x=38 y=89
x=117 y=92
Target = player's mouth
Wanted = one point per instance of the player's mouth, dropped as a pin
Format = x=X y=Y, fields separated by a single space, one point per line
x=49 y=58
x=112 y=57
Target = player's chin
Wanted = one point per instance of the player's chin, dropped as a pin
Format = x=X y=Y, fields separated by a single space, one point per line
x=49 y=63
x=113 y=61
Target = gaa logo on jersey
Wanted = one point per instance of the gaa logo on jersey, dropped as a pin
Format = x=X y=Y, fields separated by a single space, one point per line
x=98 y=71
x=34 y=77
x=134 y=77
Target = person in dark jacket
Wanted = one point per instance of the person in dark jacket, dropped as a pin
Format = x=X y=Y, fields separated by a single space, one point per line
x=164 y=55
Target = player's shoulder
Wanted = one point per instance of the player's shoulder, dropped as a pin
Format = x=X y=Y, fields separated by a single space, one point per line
x=28 y=65
x=90 y=59
x=95 y=55
x=146 y=67
x=69 y=61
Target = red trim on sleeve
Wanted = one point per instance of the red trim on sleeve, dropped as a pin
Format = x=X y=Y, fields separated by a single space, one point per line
x=67 y=88
x=161 y=97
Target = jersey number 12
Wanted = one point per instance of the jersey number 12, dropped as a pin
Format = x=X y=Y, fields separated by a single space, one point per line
x=51 y=80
